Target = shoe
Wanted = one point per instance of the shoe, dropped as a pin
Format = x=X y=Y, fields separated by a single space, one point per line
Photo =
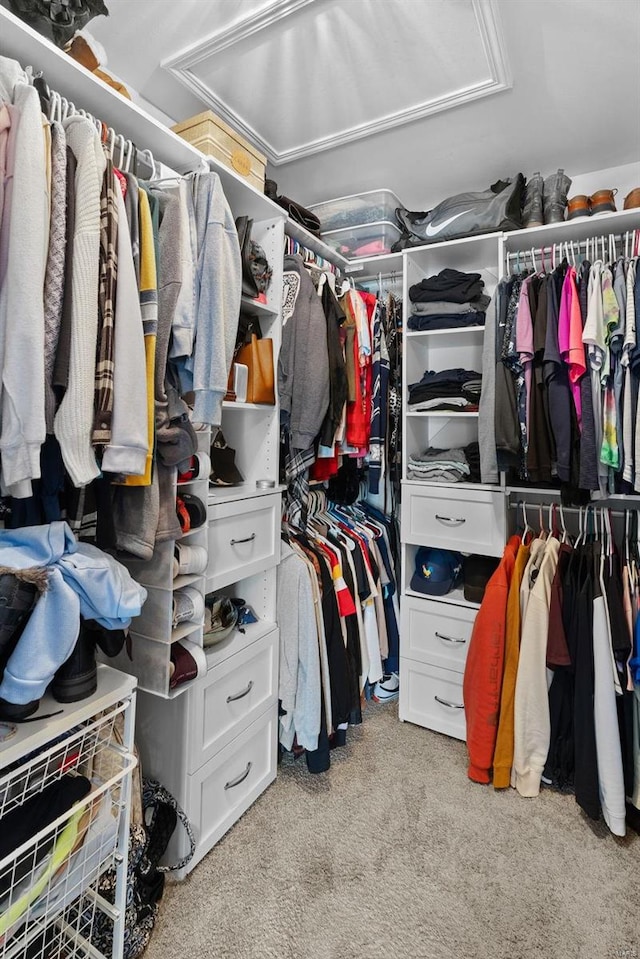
x=387 y=689
x=532 y=213
x=199 y=468
x=191 y=512
x=603 y=202
x=632 y=200
x=578 y=206
x=188 y=661
x=188 y=606
x=189 y=560
x=17 y=599
x=224 y=471
x=556 y=188
x=77 y=678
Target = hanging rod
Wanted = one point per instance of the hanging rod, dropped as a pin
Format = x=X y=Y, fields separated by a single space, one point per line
x=574 y=510
x=59 y=108
x=569 y=249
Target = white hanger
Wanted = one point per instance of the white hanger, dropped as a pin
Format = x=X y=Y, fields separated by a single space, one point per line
x=565 y=535
x=527 y=529
x=533 y=260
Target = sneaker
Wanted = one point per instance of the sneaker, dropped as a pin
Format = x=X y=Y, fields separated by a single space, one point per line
x=189 y=560
x=199 y=468
x=191 y=512
x=387 y=689
x=188 y=606
x=188 y=661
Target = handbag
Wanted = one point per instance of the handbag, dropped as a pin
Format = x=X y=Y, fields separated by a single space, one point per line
x=256 y=272
x=257 y=356
x=295 y=210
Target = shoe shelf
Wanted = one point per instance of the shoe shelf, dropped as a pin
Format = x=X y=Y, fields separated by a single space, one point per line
x=50 y=891
x=580 y=228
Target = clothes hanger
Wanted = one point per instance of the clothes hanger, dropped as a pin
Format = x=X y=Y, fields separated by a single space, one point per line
x=565 y=535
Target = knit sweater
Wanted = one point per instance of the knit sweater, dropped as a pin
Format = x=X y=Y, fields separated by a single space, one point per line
x=56 y=257
x=74 y=420
x=21 y=295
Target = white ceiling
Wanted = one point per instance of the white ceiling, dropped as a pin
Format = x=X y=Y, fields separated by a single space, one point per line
x=413 y=95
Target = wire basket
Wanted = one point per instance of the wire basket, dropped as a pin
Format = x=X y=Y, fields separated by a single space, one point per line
x=44 y=876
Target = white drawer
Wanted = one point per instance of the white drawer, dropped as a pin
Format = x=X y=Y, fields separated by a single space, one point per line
x=233 y=694
x=437 y=633
x=244 y=538
x=219 y=793
x=432 y=697
x=471 y=521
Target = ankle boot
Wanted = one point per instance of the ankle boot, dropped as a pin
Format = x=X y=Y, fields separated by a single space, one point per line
x=77 y=678
x=532 y=213
x=556 y=188
x=17 y=599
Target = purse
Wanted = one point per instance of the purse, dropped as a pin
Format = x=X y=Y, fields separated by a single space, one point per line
x=257 y=356
x=295 y=210
x=256 y=272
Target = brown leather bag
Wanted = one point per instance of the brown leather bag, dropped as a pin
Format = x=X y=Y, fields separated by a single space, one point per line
x=632 y=199
x=257 y=356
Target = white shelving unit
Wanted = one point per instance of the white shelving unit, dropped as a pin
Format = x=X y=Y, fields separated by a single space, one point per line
x=466 y=517
x=177 y=727
x=50 y=898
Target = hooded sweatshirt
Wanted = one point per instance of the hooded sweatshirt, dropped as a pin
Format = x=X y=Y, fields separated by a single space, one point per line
x=24 y=249
x=303 y=365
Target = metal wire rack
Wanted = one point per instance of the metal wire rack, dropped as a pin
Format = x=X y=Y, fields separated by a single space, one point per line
x=75 y=792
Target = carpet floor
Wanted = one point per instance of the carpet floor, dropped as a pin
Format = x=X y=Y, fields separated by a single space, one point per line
x=395 y=853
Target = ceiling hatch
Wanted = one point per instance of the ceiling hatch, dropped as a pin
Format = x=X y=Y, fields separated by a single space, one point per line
x=300 y=76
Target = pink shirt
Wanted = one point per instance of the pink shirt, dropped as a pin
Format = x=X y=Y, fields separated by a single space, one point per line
x=570 y=338
x=524 y=340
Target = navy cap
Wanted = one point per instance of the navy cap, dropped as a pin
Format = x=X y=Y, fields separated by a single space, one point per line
x=437 y=571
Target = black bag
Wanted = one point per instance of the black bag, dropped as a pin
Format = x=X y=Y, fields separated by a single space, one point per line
x=256 y=272
x=498 y=208
x=295 y=210
x=58 y=20
x=145 y=877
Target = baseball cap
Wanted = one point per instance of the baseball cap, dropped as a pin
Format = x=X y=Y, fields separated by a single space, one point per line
x=477 y=571
x=437 y=571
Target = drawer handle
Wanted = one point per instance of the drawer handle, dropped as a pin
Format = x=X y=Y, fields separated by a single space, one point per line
x=239 y=779
x=247 y=539
x=452 y=520
x=450 y=639
x=242 y=694
x=445 y=702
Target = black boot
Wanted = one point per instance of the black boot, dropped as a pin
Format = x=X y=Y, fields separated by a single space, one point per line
x=17 y=599
x=77 y=678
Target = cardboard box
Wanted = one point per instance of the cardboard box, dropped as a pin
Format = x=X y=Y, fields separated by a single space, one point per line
x=212 y=136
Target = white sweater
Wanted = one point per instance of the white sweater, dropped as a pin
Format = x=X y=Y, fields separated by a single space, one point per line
x=532 y=723
x=74 y=419
x=23 y=427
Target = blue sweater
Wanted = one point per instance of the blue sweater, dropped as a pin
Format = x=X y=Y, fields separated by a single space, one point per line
x=82 y=581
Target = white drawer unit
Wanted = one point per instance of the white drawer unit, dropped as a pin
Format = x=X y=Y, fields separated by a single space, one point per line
x=232 y=695
x=432 y=697
x=225 y=787
x=436 y=633
x=472 y=521
x=244 y=538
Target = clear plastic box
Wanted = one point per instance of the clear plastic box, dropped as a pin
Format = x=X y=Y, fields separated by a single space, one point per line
x=368 y=239
x=349 y=211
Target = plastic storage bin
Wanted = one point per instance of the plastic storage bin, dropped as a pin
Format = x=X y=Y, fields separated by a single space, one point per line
x=349 y=211
x=368 y=239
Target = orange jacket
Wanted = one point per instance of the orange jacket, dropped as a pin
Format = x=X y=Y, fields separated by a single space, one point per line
x=483 y=672
x=503 y=757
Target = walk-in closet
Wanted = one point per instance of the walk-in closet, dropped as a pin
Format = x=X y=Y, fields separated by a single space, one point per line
x=319 y=479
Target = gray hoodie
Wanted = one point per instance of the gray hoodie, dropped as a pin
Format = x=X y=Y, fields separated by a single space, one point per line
x=303 y=365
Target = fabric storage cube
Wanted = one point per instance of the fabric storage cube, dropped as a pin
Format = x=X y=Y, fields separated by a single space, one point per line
x=369 y=239
x=213 y=136
x=349 y=211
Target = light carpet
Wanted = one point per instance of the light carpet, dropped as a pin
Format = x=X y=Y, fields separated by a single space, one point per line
x=395 y=853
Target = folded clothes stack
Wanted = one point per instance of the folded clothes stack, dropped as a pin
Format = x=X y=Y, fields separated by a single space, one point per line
x=447 y=301
x=446 y=466
x=454 y=390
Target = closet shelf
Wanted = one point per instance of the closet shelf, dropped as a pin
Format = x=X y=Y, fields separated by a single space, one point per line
x=113 y=686
x=234 y=405
x=367 y=267
x=461 y=330
x=256 y=306
x=581 y=228
x=455 y=597
x=253 y=632
x=186 y=579
x=443 y=414
x=71 y=80
x=311 y=242
x=183 y=630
